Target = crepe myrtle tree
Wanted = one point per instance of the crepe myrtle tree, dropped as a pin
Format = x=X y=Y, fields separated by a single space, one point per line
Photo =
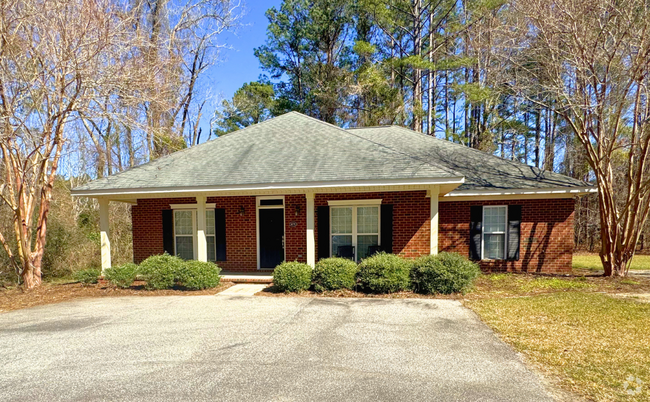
x=56 y=56
x=591 y=61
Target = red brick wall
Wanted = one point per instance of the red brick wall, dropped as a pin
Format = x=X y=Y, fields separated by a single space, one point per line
x=146 y=218
x=241 y=243
x=411 y=224
x=295 y=227
x=546 y=234
x=241 y=240
x=546 y=229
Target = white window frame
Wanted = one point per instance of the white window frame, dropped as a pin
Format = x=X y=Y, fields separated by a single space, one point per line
x=192 y=208
x=505 y=234
x=354 y=204
x=193 y=235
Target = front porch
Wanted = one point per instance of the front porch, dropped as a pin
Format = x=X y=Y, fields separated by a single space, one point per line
x=236 y=231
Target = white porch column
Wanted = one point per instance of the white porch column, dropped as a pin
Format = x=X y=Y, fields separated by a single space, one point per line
x=311 y=240
x=104 y=234
x=201 y=242
x=433 y=193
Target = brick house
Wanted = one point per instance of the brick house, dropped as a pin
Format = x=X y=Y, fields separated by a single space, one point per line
x=295 y=188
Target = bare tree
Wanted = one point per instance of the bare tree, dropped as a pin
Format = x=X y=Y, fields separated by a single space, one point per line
x=181 y=38
x=593 y=63
x=50 y=54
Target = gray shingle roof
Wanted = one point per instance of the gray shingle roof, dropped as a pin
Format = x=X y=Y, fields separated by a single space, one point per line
x=294 y=148
x=482 y=171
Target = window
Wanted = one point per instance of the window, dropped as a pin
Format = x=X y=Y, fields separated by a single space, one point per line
x=494 y=232
x=210 y=235
x=185 y=224
x=271 y=201
x=356 y=226
x=184 y=233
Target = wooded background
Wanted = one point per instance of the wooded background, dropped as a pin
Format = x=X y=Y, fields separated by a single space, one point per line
x=559 y=85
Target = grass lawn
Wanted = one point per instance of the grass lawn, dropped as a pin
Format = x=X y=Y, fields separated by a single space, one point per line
x=581 y=336
x=592 y=262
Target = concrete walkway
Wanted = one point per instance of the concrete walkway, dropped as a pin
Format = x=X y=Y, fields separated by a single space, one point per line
x=241 y=289
x=233 y=348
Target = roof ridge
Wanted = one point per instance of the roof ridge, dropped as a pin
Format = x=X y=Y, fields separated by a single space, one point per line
x=376 y=143
x=482 y=153
x=365 y=127
x=408 y=154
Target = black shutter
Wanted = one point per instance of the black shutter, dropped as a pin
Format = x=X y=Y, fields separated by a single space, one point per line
x=514 y=231
x=323 y=231
x=220 y=233
x=168 y=231
x=475 y=228
x=387 y=228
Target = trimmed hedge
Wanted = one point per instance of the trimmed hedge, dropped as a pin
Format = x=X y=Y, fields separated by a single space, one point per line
x=292 y=277
x=444 y=273
x=384 y=273
x=160 y=271
x=87 y=276
x=197 y=275
x=334 y=273
x=121 y=276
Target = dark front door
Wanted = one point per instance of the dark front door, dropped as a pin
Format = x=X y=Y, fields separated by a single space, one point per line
x=271 y=237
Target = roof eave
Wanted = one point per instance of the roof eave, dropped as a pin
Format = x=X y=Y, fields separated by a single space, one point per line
x=307 y=186
x=519 y=193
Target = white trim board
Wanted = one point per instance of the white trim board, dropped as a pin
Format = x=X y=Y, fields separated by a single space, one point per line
x=192 y=206
x=270 y=186
x=354 y=202
x=517 y=194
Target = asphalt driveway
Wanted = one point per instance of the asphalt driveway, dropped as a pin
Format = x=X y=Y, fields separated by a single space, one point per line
x=257 y=349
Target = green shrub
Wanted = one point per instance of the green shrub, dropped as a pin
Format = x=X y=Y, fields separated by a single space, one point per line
x=87 y=276
x=121 y=276
x=444 y=273
x=384 y=273
x=197 y=275
x=334 y=273
x=160 y=271
x=292 y=277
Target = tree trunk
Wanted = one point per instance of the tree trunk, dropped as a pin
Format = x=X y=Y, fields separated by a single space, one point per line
x=31 y=275
x=538 y=134
x=431 y=102
x=417 y=73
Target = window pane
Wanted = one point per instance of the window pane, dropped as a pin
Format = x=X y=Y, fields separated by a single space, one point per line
x=212 y=251
x=494 y=219
x=185 y=247
x=494 y=246
x=363 y=242
x=340 y=241
x=272 y=202
x=209 y=222
x=183 y=222
x=368 y=220
x=341 y=220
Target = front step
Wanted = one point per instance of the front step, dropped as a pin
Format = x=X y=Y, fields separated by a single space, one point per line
x=247 y=277
x=243 y=289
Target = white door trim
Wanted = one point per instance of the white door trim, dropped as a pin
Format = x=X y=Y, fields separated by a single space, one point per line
x=257 y=222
